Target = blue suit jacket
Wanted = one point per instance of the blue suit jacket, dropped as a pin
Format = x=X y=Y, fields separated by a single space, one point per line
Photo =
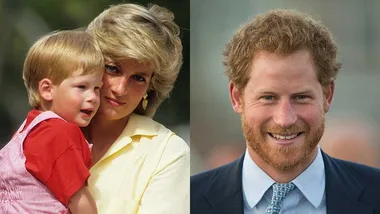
x=351 y=188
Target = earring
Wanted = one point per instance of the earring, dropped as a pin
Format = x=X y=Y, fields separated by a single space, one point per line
x=145 y=101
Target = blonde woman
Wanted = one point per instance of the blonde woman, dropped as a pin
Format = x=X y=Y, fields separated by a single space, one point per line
x=139 y=165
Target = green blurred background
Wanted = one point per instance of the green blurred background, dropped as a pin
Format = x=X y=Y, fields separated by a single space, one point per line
x=23 y=21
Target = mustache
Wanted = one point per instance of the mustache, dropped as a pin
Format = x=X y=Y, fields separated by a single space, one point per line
x=293 y=129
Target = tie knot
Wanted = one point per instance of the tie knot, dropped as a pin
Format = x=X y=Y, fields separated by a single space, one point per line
x=280 y=191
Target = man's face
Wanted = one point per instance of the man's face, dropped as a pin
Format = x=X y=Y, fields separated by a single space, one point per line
x=282 y=108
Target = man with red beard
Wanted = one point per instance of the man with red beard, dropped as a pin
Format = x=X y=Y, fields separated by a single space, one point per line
x=282 y=67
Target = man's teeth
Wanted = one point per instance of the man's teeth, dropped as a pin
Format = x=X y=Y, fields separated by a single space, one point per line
x=280 y=137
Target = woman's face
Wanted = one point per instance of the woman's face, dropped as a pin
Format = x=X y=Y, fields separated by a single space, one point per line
x=123 y=88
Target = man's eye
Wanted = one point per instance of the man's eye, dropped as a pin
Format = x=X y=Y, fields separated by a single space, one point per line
x=138 y=78
x=268 y=97
x=111 y=69
x=301 y=97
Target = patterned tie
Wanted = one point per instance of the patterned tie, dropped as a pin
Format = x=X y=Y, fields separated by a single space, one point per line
x=280 y=191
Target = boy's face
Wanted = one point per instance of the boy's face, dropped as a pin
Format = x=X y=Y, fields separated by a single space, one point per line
x=76 y=99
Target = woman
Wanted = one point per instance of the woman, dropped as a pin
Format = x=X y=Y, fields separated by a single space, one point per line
x=139 y=165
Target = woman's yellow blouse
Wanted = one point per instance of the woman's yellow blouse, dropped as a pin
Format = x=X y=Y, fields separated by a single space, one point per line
x=146 y=170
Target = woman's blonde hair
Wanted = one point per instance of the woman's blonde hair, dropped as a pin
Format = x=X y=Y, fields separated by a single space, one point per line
x=281 y=31
x=148 y=35
x=57 y=56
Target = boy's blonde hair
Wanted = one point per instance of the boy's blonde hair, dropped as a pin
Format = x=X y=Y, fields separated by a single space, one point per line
x=148 y=35
x=57 y=56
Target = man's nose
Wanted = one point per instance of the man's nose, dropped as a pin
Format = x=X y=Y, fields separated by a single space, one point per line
x=285 y=115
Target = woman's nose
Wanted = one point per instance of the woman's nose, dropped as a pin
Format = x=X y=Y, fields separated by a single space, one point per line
x=119 y=86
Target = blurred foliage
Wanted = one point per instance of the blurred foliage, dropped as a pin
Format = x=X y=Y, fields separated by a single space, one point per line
x=23 y=21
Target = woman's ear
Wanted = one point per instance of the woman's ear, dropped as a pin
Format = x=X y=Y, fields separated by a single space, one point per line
x=45 y=89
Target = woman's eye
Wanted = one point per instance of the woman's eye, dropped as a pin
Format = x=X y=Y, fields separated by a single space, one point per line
x=138 y=78
x=111 y=69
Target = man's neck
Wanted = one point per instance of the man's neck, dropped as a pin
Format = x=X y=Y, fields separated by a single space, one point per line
x=283 y=176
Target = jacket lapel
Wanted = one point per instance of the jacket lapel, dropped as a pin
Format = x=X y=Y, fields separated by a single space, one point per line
x=228 y=186
x=342 y=189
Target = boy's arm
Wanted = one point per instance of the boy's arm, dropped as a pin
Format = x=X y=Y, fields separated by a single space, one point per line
x=82 y=202
x=58 y=155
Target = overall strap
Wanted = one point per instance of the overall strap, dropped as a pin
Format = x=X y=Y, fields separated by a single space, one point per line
x=41 y=117
x=21 y=127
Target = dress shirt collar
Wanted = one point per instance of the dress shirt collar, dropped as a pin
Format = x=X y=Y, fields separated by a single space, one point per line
x=310 y=182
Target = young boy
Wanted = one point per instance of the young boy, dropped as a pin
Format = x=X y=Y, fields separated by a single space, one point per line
x=45 y=166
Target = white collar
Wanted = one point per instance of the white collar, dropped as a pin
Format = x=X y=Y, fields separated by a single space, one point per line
x=310 y=182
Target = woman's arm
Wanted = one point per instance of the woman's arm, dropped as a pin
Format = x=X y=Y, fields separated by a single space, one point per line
x=82 y=202
x=169 y=188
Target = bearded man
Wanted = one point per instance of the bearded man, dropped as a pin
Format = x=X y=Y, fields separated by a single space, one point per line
x=282 y=67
